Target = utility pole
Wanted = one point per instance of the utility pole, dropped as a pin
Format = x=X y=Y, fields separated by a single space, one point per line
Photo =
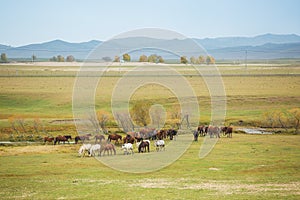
x=246 y=54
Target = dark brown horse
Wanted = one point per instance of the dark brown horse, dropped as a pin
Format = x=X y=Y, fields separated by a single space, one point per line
x=128 y=139
x=99 y=137
x=143 y=146
x=82 y=138
x=48 y=139
x=161 y=134
x=115 y=137
x=172 y=133
x=60 y=138
x=108 y=148
x=228 y=132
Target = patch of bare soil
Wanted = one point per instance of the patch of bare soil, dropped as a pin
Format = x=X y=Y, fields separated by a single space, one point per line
x=36 y=149
x=222 y=187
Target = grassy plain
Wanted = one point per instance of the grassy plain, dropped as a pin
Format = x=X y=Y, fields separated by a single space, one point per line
x=45 y=92
x=244 y=167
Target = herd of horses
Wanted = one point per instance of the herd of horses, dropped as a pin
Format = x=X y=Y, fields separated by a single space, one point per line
x=142 y=139
x=212 y=131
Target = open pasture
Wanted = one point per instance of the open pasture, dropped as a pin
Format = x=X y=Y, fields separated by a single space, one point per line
x=244 y=167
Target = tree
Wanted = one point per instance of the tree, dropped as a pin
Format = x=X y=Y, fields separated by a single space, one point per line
x=295 y=118
x=117 y=59
x=143 y=58
x=126 y=57
x=160 y=59
x=183 y=60
x=53 y=59
x=140 y=113
x=193 y=60
x=33 y=57
x=152 y=58
x=3 y=57
x=70 y=58
x=60 y=58
x=210 y=60
x=201 y=60
x=103 y=117
x=124 y=121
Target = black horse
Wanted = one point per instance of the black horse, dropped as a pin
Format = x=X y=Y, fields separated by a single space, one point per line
x=172 y=133
x=143 y=146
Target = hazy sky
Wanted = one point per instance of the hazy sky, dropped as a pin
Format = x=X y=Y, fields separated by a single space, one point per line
x=36 y=21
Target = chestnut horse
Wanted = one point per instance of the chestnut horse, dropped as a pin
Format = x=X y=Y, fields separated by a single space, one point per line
x=48 y=139
x=128 y=139
x=60 y=138
x=115 y=137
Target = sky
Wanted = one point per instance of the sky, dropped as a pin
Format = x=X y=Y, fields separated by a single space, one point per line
x=36 y=21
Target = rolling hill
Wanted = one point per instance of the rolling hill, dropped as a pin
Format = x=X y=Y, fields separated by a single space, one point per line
x=267 y=46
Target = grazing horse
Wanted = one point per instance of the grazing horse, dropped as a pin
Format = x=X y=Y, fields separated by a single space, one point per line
x=115 y=137
x=161 y=134
x=159 y=144
x=223 y=129
x=99 y=137
x=196 y=134
x=69 y=137
x=128 y=139
x=94 y=149
x=60 y=138
x=108 y=148
x=82 y=138
x=48 y=139
x=228 y=132
x=143 y=146
x=172 y=133
x=214 y=130
x=128 y=148
x=147 y=133
x=202 y=130
x=83 y=149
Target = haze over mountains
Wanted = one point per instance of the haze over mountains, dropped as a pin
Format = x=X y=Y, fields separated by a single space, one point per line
x=267 y=46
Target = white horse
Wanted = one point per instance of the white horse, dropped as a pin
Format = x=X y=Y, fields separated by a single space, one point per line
x=160 y=145
x=128 y=148
x=83 y=149
x=94 y=149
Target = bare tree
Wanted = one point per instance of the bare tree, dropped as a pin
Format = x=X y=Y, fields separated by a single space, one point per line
x=103 y=117
x=125 y=122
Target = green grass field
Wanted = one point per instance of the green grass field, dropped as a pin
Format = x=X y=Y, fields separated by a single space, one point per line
x=244 y=167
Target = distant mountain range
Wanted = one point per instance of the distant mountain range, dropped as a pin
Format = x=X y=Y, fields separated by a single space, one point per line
x=268 y=46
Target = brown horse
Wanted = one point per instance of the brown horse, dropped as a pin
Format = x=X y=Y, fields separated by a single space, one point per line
x=60 y=138
x=99 y=137
x=108 y=148
x=161 y=134
x=82 y=138
x=143 y=146
x=48 y=139
x=228 y=132
x=128 y=139
x=115 y=137
x=214 y=130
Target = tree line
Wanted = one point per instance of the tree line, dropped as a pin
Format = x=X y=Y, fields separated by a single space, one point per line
x=153 y=58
